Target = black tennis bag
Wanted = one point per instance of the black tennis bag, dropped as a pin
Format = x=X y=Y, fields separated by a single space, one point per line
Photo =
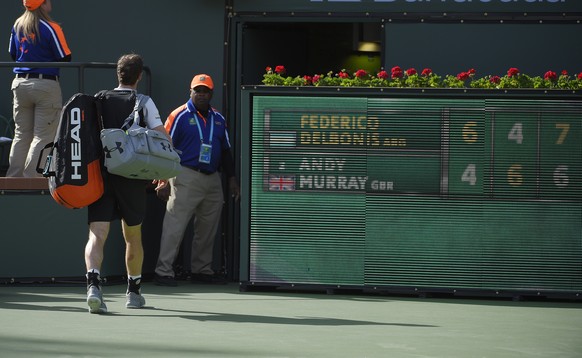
x=73 y=164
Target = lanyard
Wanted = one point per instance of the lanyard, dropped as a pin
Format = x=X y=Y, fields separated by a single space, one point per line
x=200 y=129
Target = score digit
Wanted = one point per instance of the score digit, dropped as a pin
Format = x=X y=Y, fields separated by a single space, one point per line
x=561 y=178
x=470 y=134
x=516 y=133
x=470 y=174
x=564 y=127
x=514 y=176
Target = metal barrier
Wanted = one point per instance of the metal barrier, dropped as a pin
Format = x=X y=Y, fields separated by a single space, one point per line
x=81 y=67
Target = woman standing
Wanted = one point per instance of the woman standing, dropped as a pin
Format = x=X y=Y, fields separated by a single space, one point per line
x=35 y=37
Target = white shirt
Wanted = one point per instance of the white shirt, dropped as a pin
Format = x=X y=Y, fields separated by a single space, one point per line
x=150 y=111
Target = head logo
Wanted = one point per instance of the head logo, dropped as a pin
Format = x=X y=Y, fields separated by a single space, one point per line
x=75 y=116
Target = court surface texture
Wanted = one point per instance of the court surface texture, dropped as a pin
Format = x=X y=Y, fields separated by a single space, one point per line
x=221 y=321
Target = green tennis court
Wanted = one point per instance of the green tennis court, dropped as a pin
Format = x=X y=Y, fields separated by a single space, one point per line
x=220 y=321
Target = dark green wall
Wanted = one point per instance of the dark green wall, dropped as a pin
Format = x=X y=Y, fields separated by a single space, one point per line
x=177 y=40
x=491 y=48
x=42 y=239
x=180 y=38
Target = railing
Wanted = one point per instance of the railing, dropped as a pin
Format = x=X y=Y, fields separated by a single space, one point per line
x=81 y=67
x=7 y=183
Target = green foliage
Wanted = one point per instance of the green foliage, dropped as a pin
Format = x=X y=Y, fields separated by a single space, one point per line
x=516 y=81
x=484 y=82
x=378 y=82
x=451 y=81
x=411 y=79
x=329 y=80
x=434 y=81
x=273 y=79
x=415 y=81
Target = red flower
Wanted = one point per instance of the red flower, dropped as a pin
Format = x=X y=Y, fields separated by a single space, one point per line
x=316 y=78
x=564 y=73
x=360 y=73
x=495 y=79
x=384 y=75
x=426 y=72
x=343 y=74
x=550 y=75
x=280 y=70
x=308 y=80
x=512 y=72
x=463 y=76
x=268 y=69
x=410 y=72
x=579 y=76
x=471 y=71
x=397 y=72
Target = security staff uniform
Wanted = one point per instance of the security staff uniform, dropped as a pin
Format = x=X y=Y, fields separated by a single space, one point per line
x=197 y=189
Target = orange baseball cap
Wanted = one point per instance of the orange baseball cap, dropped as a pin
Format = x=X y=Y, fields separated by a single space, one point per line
x=32 y=4
x=202 y=80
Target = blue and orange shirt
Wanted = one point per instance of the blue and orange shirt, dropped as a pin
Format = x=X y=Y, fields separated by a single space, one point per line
x=50 y=46
x=182 y=125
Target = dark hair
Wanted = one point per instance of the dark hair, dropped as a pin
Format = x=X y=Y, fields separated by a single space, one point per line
x=129 y=68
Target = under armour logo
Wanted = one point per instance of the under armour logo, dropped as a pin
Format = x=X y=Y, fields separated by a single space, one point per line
x=166 y=146
x=108 y=151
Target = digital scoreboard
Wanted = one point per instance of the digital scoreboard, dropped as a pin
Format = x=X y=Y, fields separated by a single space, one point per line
x=373 y=190
x=437 y=147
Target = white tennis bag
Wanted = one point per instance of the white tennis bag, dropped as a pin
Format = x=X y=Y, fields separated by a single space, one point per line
x=139 y=153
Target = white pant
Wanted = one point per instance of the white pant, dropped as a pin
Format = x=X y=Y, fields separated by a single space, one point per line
x=197 y=194
x=36 y=111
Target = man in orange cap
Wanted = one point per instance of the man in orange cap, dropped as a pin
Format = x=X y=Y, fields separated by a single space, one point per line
x=200 y=133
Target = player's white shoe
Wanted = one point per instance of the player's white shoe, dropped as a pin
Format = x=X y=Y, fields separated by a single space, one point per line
x=134 y=300
x=95 y=300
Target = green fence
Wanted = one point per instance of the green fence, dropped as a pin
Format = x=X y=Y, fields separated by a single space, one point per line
x=392 y=190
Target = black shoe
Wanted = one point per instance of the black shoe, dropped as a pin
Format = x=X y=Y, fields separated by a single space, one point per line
x=207 y=279
x=165 y=281
x=182 y=275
